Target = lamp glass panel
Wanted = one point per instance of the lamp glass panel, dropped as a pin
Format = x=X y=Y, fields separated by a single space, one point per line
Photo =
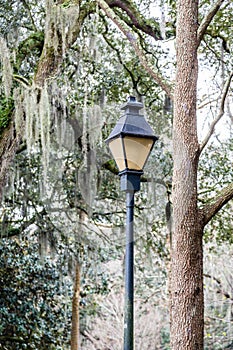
x=116 y=147
x=137 y=150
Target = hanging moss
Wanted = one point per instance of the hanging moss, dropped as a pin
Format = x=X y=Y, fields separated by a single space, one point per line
x=5 y=61
x=6 y=109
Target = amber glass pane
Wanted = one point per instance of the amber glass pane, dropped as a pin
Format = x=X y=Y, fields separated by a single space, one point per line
x=137 y=150
x=116 y=147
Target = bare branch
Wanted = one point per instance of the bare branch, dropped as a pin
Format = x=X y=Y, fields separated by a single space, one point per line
x=25 y=83
x=220 y=289
x=90 y=338
x=207 y=20
x=132 y=39
x=220 y=114
x=211 y=209
x=27 y=7
x=205 y=103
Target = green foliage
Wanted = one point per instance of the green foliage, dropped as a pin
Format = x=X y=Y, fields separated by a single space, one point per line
x=6 y=109
x=34 y=312
x=165 y=339
x=28 y=52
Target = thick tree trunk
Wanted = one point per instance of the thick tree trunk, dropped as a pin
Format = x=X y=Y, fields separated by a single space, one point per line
x=187 y=315
x=75 y=311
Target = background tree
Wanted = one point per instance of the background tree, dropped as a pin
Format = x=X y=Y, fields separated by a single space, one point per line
x=34 y=309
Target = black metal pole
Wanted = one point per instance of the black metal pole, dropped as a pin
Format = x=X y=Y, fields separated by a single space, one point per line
x=129 y=274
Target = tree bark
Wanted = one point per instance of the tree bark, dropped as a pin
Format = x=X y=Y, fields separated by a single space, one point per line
x=187 y=307
x=75 y=310
x=9 y=143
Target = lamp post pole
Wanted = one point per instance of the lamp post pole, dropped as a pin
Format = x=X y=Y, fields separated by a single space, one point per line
x=130 y=183
x=129 y=274
x=130 y=142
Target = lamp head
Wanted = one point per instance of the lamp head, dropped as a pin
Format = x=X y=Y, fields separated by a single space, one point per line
x=132 y=139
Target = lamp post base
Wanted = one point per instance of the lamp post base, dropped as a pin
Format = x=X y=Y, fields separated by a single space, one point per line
x=130 y=180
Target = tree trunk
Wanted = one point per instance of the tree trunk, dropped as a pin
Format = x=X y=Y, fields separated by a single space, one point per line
x=9 y=143
x=187 y=309
x=75 y=310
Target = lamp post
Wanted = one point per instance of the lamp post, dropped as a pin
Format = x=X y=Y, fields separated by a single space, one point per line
x=130 y=143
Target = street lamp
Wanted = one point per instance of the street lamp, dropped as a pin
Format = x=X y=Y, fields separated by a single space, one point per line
x=130 y=143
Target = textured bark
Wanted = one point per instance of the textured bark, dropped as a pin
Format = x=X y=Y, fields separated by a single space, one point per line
x=75 y=311
x=187 y=314
x=9 y=143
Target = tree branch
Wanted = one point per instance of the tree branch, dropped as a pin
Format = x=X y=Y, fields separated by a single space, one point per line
x=90 y=338
x=220 y=114
x=52 y=56
x=27 y=7
x=8 y=231
x=220 y=289
x=207 y=20
x=132 y=39
x=8 y=338
x=118 y=52
x=136 y=19
x=210 y=209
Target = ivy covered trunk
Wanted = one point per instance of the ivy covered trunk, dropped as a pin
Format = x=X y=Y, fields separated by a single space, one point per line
x=187 y=309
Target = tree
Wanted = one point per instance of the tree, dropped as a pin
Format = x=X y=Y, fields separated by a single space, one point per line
x=187 y=319
x=187 y=306
x=34 y=311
